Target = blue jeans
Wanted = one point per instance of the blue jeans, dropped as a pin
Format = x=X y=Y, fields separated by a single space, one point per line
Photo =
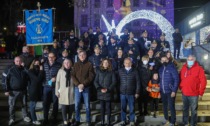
x=190 y=102
x=169 y=101
x=130 y=100
x=32 y=110
x=86 y=96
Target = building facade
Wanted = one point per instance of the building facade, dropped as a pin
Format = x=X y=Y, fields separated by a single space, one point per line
x=88 y=14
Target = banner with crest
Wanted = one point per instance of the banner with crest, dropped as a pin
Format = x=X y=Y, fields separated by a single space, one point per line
x=39 y=27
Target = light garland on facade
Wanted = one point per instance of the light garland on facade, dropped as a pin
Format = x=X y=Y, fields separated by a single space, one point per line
x=164 y=25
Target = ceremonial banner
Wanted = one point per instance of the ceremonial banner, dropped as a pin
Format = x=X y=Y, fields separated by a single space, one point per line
x=39 y=27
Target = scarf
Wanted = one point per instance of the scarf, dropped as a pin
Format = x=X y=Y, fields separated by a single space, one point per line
x=68 y=76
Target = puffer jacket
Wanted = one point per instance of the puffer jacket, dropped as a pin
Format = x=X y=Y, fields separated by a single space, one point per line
x=169 y=78
x=145 y=77
x=50 y=72
x=105 y=79
x=193 y=80
x=129 y=82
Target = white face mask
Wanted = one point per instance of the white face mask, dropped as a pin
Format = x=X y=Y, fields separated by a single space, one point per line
x=145 y=62
x=127 y=68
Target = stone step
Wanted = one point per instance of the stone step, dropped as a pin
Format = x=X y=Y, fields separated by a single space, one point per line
x=205 y=97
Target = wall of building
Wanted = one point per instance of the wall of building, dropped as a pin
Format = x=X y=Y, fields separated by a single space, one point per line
x=88 y=14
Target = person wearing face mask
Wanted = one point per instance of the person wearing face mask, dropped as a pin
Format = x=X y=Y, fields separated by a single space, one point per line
x=192 y=85
x=44 y=57
x=73 y=40
x=129 y=91
x=26 y=57
x=169 y=81
x=35 y=88
x=145 y=77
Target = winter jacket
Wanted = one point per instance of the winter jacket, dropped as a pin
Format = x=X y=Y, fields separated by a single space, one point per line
x=35 y=85
x=145 y=76
x=105 y=79
x=169 y=78
x=193 y=80
x=16 y=79
x=83 y=73
x=129 y=82
x=153 y=90
x=50 y=72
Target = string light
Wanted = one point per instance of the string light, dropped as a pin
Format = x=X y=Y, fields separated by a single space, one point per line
x=164 y=25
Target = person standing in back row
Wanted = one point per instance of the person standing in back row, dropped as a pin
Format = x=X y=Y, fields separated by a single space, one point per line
x=177 y=42
x=192 y=86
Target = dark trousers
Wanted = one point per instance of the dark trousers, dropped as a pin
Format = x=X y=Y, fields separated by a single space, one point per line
x=154 y=104
x=67 y=111
x=169 y=101
x=143 y=103
x=48 y=97
x=190 y=102
x=177 y=47
x=105 y=109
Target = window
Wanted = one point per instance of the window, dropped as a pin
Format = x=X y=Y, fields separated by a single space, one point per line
x=97 y=20
x=163 y=3
x=149 y=3
x=136 y=3
x=84 y=20
x=110 y=3
x=97 y=4
x=109 y=15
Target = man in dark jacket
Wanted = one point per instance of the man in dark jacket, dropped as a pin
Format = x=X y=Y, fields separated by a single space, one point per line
x=169 y=81
x=82 y=75
x=50 y=69
x=15 y=85
x=129 y=90
x=177 y=42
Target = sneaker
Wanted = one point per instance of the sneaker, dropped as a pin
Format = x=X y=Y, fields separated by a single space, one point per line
x=27 y=119
x=11 y=122
x=166 y=123
x=132 y=124
x=123 y=124
x=36 y=123
x=171 y=124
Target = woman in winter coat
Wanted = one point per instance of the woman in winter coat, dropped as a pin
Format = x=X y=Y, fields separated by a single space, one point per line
x=35 y=74
x=105 y=82
x=65 y=91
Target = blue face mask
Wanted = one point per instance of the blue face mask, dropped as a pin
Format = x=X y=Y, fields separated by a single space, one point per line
x=190 y=63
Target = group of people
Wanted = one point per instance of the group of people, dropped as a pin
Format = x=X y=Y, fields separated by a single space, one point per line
x=142 y=71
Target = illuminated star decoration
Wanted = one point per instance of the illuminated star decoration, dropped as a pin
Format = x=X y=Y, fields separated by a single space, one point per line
x=164 y=25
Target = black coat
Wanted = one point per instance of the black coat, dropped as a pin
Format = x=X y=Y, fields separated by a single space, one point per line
x=35 y=85
x=16 y=79
x=129 y=82
x=145 y=77
x=105 y=79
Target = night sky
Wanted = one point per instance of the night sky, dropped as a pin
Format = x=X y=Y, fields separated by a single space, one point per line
x=65 y=14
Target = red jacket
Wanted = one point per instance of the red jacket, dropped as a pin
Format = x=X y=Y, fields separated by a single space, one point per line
x=193 y=80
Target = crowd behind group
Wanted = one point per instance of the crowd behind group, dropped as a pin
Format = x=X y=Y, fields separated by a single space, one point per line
x=132 y=70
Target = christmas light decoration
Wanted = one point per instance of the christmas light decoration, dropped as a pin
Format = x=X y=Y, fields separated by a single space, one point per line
x=164 y=25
